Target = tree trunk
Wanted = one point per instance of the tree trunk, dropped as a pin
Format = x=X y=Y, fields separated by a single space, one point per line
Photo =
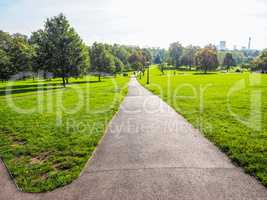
x=206 y=69
x=45 y=75
x=67 y=80
x=99 y=77
x=64 y=82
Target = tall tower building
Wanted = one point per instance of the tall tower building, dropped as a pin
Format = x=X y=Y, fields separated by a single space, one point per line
x=222 y=45
x=249 y=43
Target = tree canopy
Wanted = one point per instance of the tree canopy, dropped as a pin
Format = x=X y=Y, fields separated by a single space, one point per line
x=57 y=49
x=262 y=61
x=206 y=59
x=16 y=54
x=188 y=56
x=228 y=61
x=175 y=51
x=65 y=54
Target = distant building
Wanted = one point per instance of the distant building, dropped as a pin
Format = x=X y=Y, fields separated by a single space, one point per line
x=235 y=48
x=222 y=45
x=249 y=43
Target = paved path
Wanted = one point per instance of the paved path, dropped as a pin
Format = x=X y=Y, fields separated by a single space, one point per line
x=151 y=152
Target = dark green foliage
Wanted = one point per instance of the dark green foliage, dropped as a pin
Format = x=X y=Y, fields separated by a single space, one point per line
x=16 y=54
x=228 y=61
x=206 y=59
x=261 y=61
x=119 y=66
x=160 y=56
x=175 y=50
x=40 y=61
x=188 y=57
x=5 y=41
x=21 y=53
x=102 y=60
x=137 y=60
x=5 y=66
x=66 y=54
x=162 y=67
x=122 y=53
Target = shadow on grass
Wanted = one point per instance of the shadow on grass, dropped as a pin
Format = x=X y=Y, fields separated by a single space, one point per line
x=202 y=73
x=84 y=82
x=16 y=89
x=11 y=92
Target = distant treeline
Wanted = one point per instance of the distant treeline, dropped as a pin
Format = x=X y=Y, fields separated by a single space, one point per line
x=57 y=49
x=209 y=58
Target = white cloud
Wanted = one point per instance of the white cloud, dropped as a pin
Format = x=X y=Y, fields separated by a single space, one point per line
x=148 y=22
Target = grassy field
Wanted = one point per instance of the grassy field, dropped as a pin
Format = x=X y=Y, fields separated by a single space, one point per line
x=48 y=133
x=229 y=109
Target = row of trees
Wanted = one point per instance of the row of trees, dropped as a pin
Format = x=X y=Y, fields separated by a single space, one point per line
x=15 y=54
x=57 y=49
x=260 y=62
x=203 y=58
x=116 y=58
x=209 y=58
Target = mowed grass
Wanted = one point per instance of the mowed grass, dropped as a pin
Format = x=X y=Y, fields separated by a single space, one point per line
x=229 y=109
x=48 y=133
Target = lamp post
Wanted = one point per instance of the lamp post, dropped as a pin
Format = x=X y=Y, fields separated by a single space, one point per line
x=147 y=77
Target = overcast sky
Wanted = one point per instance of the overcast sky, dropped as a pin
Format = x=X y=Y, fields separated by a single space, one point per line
x=146 y=22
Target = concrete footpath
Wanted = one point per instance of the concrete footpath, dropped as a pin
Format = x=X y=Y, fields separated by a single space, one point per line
x=151 y=152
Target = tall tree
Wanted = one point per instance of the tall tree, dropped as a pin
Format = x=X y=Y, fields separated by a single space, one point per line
x=175 y=50
x=147 y=56
x=66 y=54
x=5 y=41
x=41 y=59
x=21 y=53
x=119 y=66
x=228 y=61
x=262 y=61
x=162 y=67
x=188 y=56
x=5 y=66
x=102 y=60
x=206 y=59
x=121 y=53
x=17 y=50
x=137 y=60
x=160 y=56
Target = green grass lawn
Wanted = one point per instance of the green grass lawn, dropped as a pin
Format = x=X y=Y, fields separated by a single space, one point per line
x=44 y=141
x=236 y=127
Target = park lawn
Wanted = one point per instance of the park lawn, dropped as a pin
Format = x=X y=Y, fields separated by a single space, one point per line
x=48 y=147
x=245 y=144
